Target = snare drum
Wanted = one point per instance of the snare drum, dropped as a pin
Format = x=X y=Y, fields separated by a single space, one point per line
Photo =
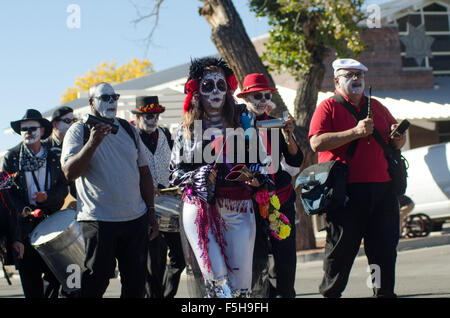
x=59 y=241
x=167 y=209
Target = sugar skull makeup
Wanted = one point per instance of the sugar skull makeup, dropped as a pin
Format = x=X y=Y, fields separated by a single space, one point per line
x=64 y=123
x=351 y=82
x=213 y=89
x=148 y=122
x=257 y=102
x=105 y=100
x=30 y=132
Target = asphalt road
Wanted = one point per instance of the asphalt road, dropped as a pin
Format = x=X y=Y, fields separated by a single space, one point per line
x=421 y=273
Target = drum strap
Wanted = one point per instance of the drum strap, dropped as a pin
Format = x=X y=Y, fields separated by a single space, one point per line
x=36 y=182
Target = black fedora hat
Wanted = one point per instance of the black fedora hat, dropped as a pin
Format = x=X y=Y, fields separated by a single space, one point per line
x=147 y=105
x=33 y=114
x=61 y=111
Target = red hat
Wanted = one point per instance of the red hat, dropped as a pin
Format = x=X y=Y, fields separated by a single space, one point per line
x=255 y=82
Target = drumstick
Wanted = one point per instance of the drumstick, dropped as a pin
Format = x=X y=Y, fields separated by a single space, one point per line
x=170 y=189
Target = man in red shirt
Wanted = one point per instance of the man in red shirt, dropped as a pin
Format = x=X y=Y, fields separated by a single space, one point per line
x=371 y=211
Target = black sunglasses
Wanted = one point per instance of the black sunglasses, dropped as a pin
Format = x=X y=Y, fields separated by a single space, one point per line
x=68 y=120
x=208 y=86
x=107 y=98
x=29 y=129
x=259 y=96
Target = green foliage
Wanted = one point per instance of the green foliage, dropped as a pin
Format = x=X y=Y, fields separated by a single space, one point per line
x=303 y=30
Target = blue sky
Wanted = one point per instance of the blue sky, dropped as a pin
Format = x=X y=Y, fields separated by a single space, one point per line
x=41 y=56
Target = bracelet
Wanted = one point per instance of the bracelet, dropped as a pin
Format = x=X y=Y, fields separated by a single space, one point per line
x=150 y=207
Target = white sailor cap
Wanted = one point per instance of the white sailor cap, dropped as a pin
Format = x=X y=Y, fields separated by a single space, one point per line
x=348 y=63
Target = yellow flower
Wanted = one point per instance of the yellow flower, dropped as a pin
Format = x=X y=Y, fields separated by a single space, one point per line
x=275 y=202
x=285 y=231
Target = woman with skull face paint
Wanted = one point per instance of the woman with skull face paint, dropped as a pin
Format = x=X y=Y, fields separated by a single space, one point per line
x=41 y=185
x=258 y=94
x=218 y=216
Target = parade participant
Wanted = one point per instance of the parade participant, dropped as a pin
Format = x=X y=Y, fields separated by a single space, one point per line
x=62 y=119
x=218 y=216
x=162 y=280
x=258 y=94
x=41 y=188
x=114 y=194
x=371 y=211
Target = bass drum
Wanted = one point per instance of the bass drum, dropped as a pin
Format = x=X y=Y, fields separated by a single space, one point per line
x=167 y=208
x=59 y=241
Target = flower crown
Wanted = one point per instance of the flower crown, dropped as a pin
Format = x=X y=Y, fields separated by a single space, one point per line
x=151 y=108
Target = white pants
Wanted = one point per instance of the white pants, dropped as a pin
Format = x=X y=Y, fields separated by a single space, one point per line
x=240 y=239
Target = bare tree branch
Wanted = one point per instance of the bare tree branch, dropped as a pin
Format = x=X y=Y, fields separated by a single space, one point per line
x=154 y=13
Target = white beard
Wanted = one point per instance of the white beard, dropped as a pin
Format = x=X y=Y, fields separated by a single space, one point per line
x=347 y=85
x=29 y=139
x=105 y=109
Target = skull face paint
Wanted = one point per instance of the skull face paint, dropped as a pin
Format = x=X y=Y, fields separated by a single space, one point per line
x=213 y=89
x=108 y=108
x=62 y=126
x=33 y=132
x=148 y=122
x=351 y=85
x=259 y=104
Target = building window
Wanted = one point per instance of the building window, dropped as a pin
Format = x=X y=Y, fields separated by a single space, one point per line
x=436 y=18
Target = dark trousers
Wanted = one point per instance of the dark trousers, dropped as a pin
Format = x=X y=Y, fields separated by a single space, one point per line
x=37 y=279
x=372 y=214
x=107 y=241
x=285 y=258
x=163 y=278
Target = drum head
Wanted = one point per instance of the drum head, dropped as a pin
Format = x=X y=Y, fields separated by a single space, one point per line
x=52 y=227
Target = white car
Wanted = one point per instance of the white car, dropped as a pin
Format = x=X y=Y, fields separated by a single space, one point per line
x=429 y=181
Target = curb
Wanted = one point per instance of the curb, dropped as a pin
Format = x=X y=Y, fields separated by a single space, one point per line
x=403 y=245
x=432 y=240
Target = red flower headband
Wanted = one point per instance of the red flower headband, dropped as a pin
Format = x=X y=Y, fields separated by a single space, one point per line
x=191 y=86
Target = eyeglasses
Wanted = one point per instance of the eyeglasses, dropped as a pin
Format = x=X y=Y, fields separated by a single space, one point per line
x=259 y=96
x=107 y=98
x=207 y=86
x=68 y=120
x=29 y=129
x=349 y=75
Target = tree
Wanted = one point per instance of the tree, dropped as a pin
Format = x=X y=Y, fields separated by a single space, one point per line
x=303 y=33
x=108 y=72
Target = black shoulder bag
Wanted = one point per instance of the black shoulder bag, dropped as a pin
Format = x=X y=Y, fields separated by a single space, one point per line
x=324 y=184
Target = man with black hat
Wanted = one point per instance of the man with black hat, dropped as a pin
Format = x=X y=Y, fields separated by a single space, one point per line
x=162 y=281
x=41 y=186
x=62 y=119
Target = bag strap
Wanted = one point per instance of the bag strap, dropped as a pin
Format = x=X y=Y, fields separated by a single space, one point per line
x=361 y=115
x=356 y=115
x=126 y=125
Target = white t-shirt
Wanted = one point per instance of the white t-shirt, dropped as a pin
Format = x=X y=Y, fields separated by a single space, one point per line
x=109 y=189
